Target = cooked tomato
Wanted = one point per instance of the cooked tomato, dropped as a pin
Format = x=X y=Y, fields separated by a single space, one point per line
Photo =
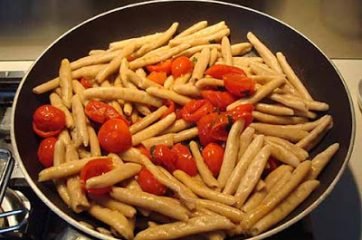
x=164 y=66
x=195 y=109
x=219 y=70
x=243 y=111
x=149 y=183
x=221 y=127
x=180 y=66
x=185 y=160
x=144 y=151
x=219 y=99
x=100 y=112
x=157 y=77
x=46 y=151
x=163 y=156
x=239 y=85
x=204 y=126
x=213 y=155
x=171 y=107
x=85 y=83
x=95 y=168
x=114 y=136
x=48 y=121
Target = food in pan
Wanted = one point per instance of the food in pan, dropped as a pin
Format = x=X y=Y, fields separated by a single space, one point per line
x=200 y=136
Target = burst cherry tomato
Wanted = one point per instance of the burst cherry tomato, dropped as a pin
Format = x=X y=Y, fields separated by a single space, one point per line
x=46 y=151
x=114 y=136
x=157 y=77
x=163 y=156
x=48 y=121
x=195 y=109
x=185 y=161
x=219 y=70
x=149 y=183
x=180 y=66
x=239 y=85
x=204 y=126
x=213 y=155
x=171 y=107
x=243 y=111
x=85 y=83
x=219 y=99
x=95 y=168
x=144 y=151
x=100 y=112
x=164 y=66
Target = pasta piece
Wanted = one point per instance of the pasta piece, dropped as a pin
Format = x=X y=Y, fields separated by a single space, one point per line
x=183 y=79
x=244 y=141
x=283 y=155
x=80 y=120
x=226 y=51
x=139 y=81
x=166 y=139
x=274 y=109
x=56 y=101
x=187 y=90
x=148 y=120
x=185 y=135
x=276 y=174
x=177 y=126
x=79 y=90
x=169 y=82
x=59 y=158
x=254 y=200
x=273 y=119
x=299 y=152
x=213 y=56
x=107 y=202
x=137 y=40
x=292 y=103
x=95 y=59
x=209 y=82
x=93 y=142
x=194 y=28
x=47 y=86
x=168 y=94
x=240 y=48
x=321 y=160
x=201 y=64
x=65 y=82
x=281 y=131
x=191 y=51
x=231 y=213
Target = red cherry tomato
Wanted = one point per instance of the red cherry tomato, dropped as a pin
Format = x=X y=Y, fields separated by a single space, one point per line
x=144 y=151
x=239 y=85
x=195 y=109
x=95 y=168
x=114 y=136
x=219 y=99
x=171 y=107
x=46 y=151
x=100 y=112
x=149 y=183
x=162 y=155
x=219 y=70
x=85 y=83
x=180 y=66
x=204 y=126
x=164 y=66
x=185 y=161
x=213 y=155
x=48 y=121
x=157 y=77
x=243 y=111
x=221 y=127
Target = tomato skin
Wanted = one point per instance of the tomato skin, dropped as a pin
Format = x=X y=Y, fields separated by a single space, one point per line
x=114 y=136
x=221 y=127
x=85 y=83
x=219 y=99
x=48 y=121
x=239 y=85
x=100 y=112
x=243 y=111
x=213 y=155
x=95 y=168
x=46 y=151
x=163 y=156
x=144 y=151
x=164 y=66
x=195 y=109
x=171 y=107
x=219 y=70
x=149 y=183
x=185 y=161
x=157 y=77
x=180 y=66
x=204 y=126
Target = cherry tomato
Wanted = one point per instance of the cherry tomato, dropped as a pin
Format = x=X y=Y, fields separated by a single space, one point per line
x=85 y=83
x=149 y=183
x=171 y=107
x=180 y=66
x=185 y=161
x=48 y=121
x=239 y=85
x=163 y=156
x=95 y=168
x=100 y=112
x=157 y=77
x=114 y=136
x=144 y=151
x=195 y=109
x=164 y=66
x=46 y=151
x=221 y=127
x=204 y=126
x=213 y=155
x=243 y=111
x=219 y=99
x=219 y=70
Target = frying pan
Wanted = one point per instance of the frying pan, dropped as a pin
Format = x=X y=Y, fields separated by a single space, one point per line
x=317 y=72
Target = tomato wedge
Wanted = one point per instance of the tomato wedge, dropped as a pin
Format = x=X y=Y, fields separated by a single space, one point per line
x=95 y=168
x=171 y=107
x=163 y=156
x=185 y=160
x=48 y=121
x=164 y=66
x=219 y=70
x=149 y=183
x=195 y=109
x=219 y=99
x=239 y=85
x=213 y=155
x=46 y=151
x=100 y=112
x=114 y=136
x=157 y=77
x=180 y=66
x=221 y=127
x=85 y=83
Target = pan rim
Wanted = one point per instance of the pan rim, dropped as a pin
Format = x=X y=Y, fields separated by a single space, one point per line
x=268 y=233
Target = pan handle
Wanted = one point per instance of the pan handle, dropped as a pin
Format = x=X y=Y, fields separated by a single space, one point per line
x=7 y=164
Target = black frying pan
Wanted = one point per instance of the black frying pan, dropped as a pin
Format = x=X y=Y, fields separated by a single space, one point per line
x=313 y=67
